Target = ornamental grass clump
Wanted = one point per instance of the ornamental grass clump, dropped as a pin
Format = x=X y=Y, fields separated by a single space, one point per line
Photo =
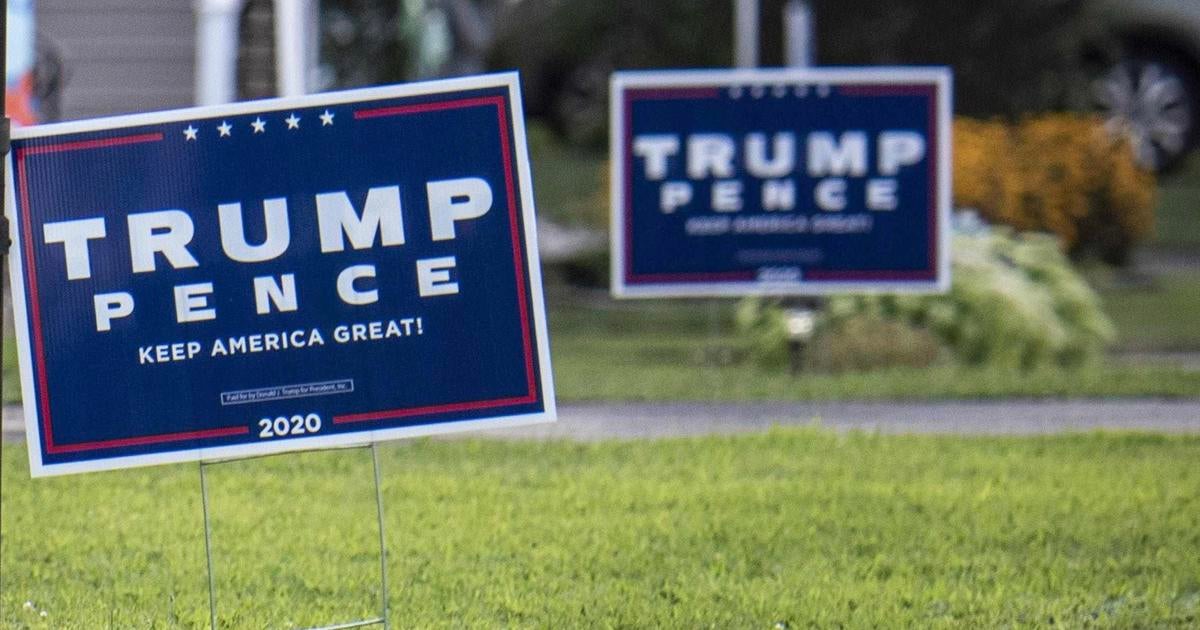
x=1014 y=302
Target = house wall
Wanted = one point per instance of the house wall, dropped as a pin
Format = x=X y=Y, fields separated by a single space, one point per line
x=121 y=56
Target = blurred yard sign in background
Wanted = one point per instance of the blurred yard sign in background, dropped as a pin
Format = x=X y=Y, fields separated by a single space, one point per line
x=780 y=182
x=278 y=275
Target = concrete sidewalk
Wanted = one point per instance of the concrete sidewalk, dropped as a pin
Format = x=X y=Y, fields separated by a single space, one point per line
x=627 y=420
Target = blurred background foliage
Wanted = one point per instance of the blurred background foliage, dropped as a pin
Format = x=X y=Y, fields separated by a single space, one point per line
x=1057 y=173
x=356 y=30
x=567 y=50
x=1010 y=57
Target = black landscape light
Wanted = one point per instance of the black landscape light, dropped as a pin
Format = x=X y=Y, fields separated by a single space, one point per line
x=800 y=323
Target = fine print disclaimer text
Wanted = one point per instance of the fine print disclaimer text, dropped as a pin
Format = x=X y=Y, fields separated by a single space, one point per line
x=283 y=392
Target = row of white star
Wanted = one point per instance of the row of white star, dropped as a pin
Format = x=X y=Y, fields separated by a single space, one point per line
x=778 y=91
x=225 y=130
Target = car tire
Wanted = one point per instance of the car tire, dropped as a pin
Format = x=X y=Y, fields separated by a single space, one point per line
x=1153 y=101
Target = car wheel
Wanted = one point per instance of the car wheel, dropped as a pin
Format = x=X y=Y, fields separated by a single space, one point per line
x=1152 y=102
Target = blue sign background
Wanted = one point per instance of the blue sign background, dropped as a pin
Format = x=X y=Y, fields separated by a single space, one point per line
x=468 y=356
x=653 y=253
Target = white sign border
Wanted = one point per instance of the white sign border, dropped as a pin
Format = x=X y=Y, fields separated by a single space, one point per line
x=509 y=80
x=939 y=76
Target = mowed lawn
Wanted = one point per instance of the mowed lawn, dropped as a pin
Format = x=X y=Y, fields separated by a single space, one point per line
x=689 y=350
x=789 y=529
x=1163 y=315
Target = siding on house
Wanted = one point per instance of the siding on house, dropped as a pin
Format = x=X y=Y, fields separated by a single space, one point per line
x=121 y=56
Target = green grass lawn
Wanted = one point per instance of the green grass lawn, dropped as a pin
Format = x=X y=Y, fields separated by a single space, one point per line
x=1177 y=223
x=793 y=528
x=1177 y=217
x=572 y=183
x=1161 y=315
x=1164 y=313
x=12 y=375
x=663 y=350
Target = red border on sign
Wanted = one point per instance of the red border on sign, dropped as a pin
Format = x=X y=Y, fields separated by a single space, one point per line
x=36 y=311
x=522 y=292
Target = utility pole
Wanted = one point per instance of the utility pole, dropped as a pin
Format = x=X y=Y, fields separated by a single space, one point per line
x=296 y=41
x=745 y=40
x=798 y=34
x=216 y=50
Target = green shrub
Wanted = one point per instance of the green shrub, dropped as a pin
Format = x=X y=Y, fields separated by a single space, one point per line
x=761 y=324
x=1014 y=302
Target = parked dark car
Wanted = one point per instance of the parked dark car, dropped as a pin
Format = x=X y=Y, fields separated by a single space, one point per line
x=1150 y=90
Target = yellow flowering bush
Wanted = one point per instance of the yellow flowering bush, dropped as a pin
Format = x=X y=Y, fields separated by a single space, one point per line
x=1058 y=173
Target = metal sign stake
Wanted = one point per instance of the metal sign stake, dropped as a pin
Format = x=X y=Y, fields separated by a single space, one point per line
x=382 y=620
x=212 y=591
x=383 y=577
x=4 y=240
